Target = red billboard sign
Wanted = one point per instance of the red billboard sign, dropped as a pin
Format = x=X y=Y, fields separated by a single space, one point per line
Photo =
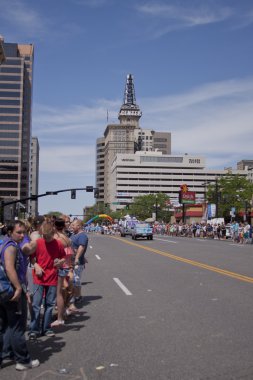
x=188 y=197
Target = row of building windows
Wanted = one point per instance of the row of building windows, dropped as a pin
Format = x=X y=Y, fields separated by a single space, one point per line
x=9 y=143
x=6 y=135
x=10 y=86
x=160 y=146
x=159 y=139
x=13 y=61
x=8 y=176
x=126 y=185
x=9 y=118
x=9 y=94
x=10 y=127
x=4 y=110
x=16 y=70
x=9 y=151
x=173 y=172
x=170 y=179
x=10 y=102
x=10 y=193
x=11 y=78
x=161 y=159
x=11 y=185
x=8 y=168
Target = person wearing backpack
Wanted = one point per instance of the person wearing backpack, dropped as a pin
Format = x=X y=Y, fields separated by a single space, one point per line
x=13 y=312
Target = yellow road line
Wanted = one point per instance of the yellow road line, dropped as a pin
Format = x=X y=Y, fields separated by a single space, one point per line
x=224 y=272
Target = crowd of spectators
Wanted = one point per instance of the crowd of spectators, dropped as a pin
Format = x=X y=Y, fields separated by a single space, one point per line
x=44 y=259
x=240 y=233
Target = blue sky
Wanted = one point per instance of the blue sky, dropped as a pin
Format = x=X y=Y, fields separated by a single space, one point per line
x=192 y=62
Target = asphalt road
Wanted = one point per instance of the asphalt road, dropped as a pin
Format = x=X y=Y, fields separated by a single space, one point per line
x=171 y=308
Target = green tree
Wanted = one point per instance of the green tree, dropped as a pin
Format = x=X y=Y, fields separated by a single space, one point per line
x=57 y=214
x=230 y=191
x=144 y=205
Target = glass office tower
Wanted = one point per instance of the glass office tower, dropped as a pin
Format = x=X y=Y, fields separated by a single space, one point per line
x=16 y=74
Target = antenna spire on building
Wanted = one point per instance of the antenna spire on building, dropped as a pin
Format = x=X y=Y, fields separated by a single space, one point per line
x=129 y=110
x=129 y=96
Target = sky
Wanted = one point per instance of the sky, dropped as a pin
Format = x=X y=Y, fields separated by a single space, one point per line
x=192 y=62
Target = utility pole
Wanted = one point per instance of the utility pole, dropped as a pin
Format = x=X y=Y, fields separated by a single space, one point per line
x=216 y=198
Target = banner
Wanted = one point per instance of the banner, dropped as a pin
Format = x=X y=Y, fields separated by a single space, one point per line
x=211 y=210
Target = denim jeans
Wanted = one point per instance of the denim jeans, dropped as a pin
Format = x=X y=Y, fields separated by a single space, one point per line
x=13 y=317
x=77 y=276
x=50 y=296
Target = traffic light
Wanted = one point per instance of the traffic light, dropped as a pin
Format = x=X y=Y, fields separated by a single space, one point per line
x=89 y=189
x=73 y=194
x=96 y=193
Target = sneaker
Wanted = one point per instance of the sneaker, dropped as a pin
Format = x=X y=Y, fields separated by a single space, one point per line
x=24 y=366
x=49 y=333
x=78 y=299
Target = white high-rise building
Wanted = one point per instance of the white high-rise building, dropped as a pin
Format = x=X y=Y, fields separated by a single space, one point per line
x=127 y=137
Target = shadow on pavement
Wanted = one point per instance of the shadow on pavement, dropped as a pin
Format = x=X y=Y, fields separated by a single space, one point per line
x=43 y=348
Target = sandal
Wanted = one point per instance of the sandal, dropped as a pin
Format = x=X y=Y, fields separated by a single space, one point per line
x=57 y=323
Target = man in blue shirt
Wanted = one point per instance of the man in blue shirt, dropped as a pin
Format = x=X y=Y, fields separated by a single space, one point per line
x=79 y=244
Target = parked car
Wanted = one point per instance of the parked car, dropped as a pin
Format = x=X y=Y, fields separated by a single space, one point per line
x=142 y=230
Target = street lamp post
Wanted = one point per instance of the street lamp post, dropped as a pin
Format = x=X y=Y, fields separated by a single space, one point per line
x=156 y=205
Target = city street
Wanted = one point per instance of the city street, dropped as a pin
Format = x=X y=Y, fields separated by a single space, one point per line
x=171 y=308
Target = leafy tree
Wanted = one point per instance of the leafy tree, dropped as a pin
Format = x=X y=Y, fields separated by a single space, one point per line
x=230 y=191
x=144 y=205
x=57 y=214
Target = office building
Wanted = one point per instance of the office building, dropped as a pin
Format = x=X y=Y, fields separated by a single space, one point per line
x=149 y=140
x=16 y=78
x=34 y=175
x=100 y=167
x=2 y=55
x=144 y=173
x=127 y=137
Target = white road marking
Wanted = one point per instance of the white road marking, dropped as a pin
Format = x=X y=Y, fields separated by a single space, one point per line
x=237 y=245
x=122 y=287
x=98 y=257
x=168 y=241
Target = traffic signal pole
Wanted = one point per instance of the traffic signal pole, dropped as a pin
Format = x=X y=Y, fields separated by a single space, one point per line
x=88 y=189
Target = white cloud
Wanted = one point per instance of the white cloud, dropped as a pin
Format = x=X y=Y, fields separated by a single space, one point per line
x=189 y=16
x=164 y=18
x=214 y=120
x=68 y=159
x=23 y=18
x=92 y=3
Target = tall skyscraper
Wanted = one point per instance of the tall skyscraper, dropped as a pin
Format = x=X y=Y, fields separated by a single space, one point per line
x=16 y=77
x=119 y=138
x=34 y=175
x=2 y=55
x=127 y=137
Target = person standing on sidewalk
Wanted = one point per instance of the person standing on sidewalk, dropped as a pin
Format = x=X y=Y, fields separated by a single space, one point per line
x=79 y=243
x=13 y=313
x=48 y=258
